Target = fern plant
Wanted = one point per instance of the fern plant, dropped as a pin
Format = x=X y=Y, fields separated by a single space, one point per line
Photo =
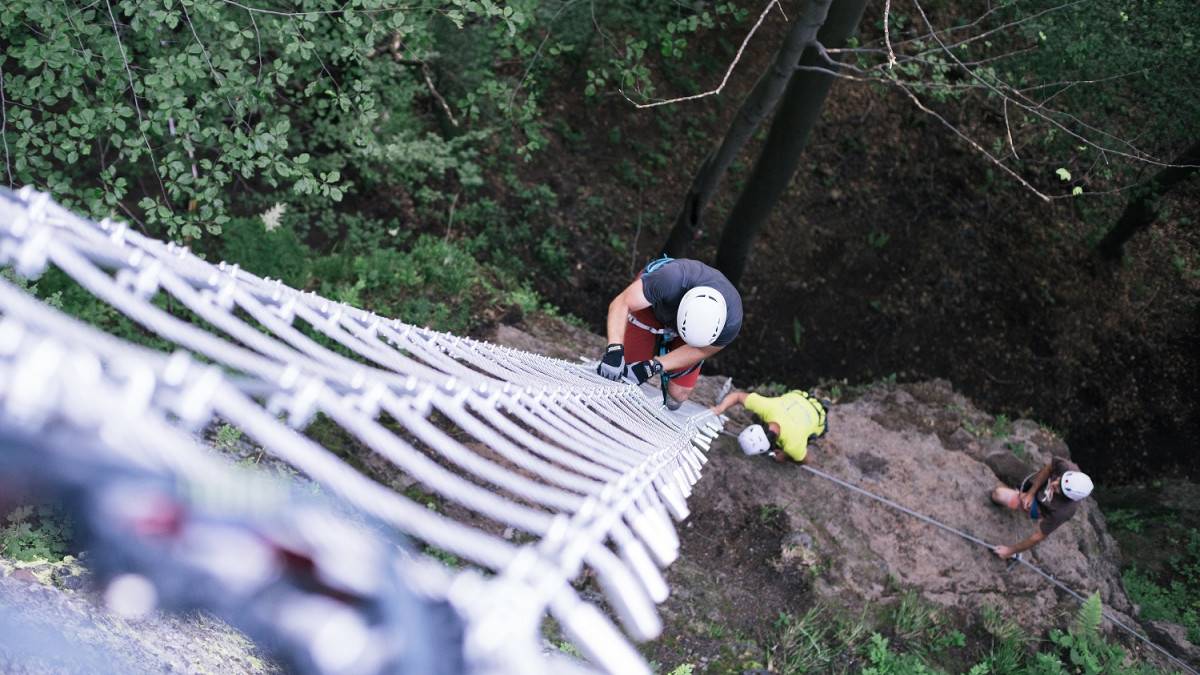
x=1086 y=649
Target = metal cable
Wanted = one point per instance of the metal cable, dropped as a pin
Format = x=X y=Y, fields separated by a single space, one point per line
x=976 y=540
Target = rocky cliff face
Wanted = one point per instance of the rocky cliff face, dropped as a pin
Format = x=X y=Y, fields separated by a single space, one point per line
x=925 y=447
x=766 y=538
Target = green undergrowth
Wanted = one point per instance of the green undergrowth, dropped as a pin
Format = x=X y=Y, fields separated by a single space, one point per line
x=440 y=283
x=1175 y=595
x=1160 y=546
x=910 y=636
x=36 y=533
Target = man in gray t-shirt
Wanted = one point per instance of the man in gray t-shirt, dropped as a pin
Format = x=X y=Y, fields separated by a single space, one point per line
x=1051 y=498
x=681 y=305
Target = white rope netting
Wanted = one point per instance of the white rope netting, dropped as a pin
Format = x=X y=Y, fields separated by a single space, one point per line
x=590 y=471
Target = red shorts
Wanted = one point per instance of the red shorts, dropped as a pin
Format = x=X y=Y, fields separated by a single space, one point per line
x=640 y=344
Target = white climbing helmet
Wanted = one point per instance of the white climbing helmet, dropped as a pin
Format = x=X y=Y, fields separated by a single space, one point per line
x=1076 y=485
x=701 y=316
x=753 y=440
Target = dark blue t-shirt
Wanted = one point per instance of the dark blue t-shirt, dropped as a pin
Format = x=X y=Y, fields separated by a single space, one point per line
x=666 y=286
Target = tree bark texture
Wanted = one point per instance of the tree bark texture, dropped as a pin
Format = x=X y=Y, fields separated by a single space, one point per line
x=1142 y=209
x=797 y=115
x=755 y=108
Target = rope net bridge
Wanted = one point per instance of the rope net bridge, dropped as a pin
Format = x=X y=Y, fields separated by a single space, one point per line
x=590 y=471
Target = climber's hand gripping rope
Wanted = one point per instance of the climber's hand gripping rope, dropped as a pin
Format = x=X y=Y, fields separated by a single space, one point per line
x=644 y=370
x=612 y=364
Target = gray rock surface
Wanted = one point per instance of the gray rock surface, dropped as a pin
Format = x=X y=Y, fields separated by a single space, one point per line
x=50 y=629
x=922 y=445
x=897 y=442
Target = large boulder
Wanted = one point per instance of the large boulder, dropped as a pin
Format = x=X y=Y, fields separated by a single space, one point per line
x=928 y=449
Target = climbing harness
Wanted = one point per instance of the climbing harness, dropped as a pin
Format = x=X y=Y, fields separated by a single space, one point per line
x=1019 y=559
x=665 y=334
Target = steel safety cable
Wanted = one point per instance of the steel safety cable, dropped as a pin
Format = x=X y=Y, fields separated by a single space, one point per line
x=976 y=540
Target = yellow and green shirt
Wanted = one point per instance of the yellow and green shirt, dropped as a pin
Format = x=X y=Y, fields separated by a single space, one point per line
x=799 y=418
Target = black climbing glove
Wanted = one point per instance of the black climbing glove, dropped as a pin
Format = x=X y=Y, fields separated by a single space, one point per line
x=644 y=370
x=612 y=364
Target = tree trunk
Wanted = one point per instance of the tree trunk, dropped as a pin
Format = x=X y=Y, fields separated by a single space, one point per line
x=1142 y=209
x=757 y=106
x=789 y=133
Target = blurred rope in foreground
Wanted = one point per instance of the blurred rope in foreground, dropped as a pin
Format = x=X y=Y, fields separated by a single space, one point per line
x=591 y=472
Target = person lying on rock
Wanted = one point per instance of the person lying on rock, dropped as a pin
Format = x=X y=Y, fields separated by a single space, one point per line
x=675 y=314
x=1052 y=497
x=784 y=425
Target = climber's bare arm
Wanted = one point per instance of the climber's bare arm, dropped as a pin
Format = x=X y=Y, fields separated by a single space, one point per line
x=731 y=399
x=686 y=356
x=1028 y=543
x=627 y=301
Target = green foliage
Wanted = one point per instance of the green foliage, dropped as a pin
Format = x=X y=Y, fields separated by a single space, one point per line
x=1125 y=519
x=568 y=649
x=228 y=436
x=445 y=557
x=275 y=253
x=183 y=116
x=1177 y=598
x=769 y=513
x=1083 y=646
x=878 y=239
x=1008 y=644
x=913 y=637
x=436 y=283
x=1001 y=427
x=682 y=669
x=886 y=662
x=923 y=626
x=812 y=643
x=1018 y=449
x=60 y=291
x=36 y=533
x=772 y=389
x=1138 y=58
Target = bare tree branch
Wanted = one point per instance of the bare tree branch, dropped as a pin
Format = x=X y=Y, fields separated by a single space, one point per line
x=729 y=71
x=395 y=49
x=887 y=34
x=4 y=128
x=1028 y=105
x=1008 y=129
x=970 y=141
x=137 y=106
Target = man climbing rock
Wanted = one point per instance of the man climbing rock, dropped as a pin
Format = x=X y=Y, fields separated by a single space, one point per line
x=1051 y=499
x=675 y=314
x=786 y=423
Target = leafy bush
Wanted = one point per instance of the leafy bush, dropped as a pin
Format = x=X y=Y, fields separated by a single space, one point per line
x=1133 y=55
x=181 y=116
x=1178 y=598
x=1083 y=646
x=41 y=533
x=886 y=662
x=435 y=284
